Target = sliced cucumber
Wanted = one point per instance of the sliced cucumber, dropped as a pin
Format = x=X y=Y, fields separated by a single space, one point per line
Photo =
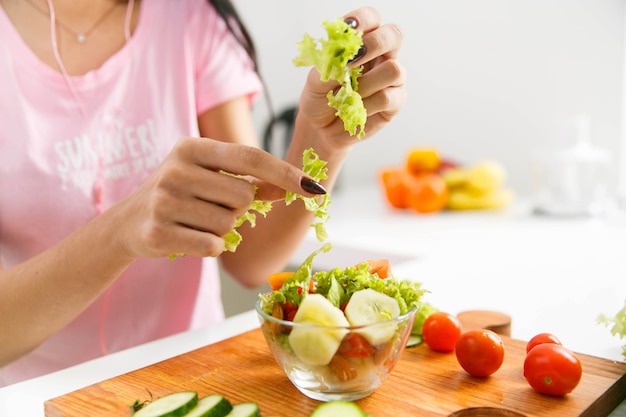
x=211 y=406
x=245 y=410
x=369 y=306
x=338 y=408
x=173 y=405
x=414 y=340
x=317 y=309
x=313 y=345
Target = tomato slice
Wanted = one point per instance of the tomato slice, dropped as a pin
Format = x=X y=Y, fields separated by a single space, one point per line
x=354 y=345
x=552 y=369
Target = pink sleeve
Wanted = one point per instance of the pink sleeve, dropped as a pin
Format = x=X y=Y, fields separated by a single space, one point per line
x=223 y=69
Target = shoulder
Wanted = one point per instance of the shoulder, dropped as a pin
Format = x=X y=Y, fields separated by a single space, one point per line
x=189 y=10
x=193 y=22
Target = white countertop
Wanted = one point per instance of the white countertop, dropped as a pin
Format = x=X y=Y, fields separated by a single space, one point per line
x=548 y=274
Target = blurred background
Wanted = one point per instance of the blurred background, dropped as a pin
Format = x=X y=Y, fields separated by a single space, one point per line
x=486 y=79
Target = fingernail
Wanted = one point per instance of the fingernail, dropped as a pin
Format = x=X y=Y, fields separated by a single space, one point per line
x=358 y=55
x=352 y=22
x=311 y=186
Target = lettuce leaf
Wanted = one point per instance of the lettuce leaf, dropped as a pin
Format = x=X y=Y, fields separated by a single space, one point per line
x=617 y=324
x=338 y=285
x=315 y=168
x=233 y=238
x=331 y=56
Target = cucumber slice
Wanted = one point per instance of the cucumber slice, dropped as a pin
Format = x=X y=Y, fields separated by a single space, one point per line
x=414 y=340
x=245 y=410
x=211 y=406
x=317 y=309
x=313 y=345
x=173 y=405
x=370 y=306
x=338 y=408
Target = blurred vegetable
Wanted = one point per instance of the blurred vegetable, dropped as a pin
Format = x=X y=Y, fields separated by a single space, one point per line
x=396 y=183
x=429 y=183
x=617 y=324
x=424 y=192
x=428 y=194
x=421 y=160
x=379 y=267
x=466 y=200
x=278 y=279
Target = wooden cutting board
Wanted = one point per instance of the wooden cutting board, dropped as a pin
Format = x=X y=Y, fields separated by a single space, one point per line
x=424 y=383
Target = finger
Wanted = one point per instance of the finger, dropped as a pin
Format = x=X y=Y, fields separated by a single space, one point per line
x=209 y=186
x=378 y=40
x=389 y=73
x=244 y=160
x=196 y=243
x=201 y=215
x=163 y=236
x=268 y=192
x=384 y=41
x=386 y=103
x=365 y=19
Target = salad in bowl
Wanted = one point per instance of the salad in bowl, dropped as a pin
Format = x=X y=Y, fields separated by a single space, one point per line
x=338 y=334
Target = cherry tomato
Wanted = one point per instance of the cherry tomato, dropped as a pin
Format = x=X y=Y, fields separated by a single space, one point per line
x=480 y=352
x=354 y=345
x=542 y=338
x=441 y=331
x=552 y=369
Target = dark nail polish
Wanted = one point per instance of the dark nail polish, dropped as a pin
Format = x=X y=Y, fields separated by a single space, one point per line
x=311 y=186
x=352 y=22
x=358 y=55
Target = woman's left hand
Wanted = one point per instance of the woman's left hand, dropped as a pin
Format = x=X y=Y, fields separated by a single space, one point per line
x=381 y=85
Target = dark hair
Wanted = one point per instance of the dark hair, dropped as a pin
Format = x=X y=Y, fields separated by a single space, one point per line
x=228 y=13
x=226 y=10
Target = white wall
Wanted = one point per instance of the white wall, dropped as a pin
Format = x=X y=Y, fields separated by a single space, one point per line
x=486 y=78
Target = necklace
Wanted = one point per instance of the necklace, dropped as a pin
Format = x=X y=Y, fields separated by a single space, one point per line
x=98 y=187
x=81 y=37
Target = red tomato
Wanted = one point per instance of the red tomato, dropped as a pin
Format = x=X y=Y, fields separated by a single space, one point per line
x=441 y=331
x=542 y=338
x=552 y=369
x=289 y=311
x=354 y=345
x=480 y=352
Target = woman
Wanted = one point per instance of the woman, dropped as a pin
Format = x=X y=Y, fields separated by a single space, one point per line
x=117 y=119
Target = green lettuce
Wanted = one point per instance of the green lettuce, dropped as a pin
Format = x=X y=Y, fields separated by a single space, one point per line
x=339 y=284
x=315 y=168
x=233 y=238
x=331 y=56
x=617 y=324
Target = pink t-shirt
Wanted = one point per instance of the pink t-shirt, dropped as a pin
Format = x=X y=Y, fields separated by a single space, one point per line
x=57 y=171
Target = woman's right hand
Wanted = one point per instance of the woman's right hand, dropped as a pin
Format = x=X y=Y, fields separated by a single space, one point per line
x=188 y=203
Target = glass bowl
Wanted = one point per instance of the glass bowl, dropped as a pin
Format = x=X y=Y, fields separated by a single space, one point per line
x=339 y=364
